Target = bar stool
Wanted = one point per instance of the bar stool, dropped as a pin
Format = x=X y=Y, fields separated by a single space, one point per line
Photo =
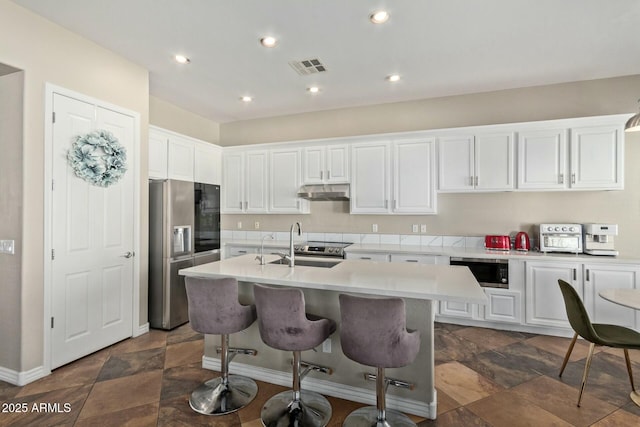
x=214 y=309
x=284 y=325
x=373 y=332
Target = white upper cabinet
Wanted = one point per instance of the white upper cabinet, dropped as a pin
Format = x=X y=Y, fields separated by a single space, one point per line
x=597 y=157
x=483 y=162
x=405 y=187
x=494 y=162
x=285 y=180
x=592 y=160
x=244 y=182
x=175 y=156
x=542 y=159
x=207 y=163
x=455 y=165
x=158 y=145
x=326 y=164
x=181 y=155
x=414 y=177
x=370 y=186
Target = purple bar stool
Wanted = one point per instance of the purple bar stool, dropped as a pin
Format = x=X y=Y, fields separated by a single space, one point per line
x=374 y=332
x=214 y=309
x=284 y=325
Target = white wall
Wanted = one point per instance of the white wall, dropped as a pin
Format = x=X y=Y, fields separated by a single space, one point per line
x=50 y=54
x=11 y=89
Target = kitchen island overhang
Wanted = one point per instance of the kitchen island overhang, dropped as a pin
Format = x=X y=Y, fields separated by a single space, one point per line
x=419 y=284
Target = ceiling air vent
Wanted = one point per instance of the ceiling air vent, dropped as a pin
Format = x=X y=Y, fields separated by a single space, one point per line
x=308 y=66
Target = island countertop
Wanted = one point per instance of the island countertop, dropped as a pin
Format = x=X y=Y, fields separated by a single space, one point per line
x=419 y=281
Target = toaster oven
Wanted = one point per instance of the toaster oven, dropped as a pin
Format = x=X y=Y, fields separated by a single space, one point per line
x=561 y=238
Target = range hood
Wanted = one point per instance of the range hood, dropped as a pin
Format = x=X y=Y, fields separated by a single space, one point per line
x=324 y=192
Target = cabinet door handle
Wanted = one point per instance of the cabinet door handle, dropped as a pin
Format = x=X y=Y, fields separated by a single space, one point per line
x=411 y=260
x=246 y=205
x=573 y=178
x=476 y=182
x=328 y=174
x=386 y=204
x=471 y=181
x=575 y=274
x=587 y=274
x=321 y=175
x=242 y=252
x=561 y=179
x=240 y=205
x=365 y=257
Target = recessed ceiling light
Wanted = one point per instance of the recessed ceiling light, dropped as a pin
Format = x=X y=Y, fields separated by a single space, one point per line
x=246 y=98
x=379 y=17
x=181 y=59
x=393 y=77
x=313 y=89
x=268 y=41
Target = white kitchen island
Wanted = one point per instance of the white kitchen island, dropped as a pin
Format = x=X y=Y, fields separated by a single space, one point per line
x=419 y=284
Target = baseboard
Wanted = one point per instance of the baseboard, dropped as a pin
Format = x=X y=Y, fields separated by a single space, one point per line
x=142 y=329
x=342 y=391
x=22 y=378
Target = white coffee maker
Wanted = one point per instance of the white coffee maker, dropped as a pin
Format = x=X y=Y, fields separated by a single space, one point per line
x=598 y=239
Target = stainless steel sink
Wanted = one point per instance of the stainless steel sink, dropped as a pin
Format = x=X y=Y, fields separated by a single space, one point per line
x=309 y=263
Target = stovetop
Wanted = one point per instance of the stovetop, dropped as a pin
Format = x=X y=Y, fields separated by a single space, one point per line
x=318 y=248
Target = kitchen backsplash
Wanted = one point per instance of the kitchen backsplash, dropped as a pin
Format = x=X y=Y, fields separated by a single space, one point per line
x=369 y=238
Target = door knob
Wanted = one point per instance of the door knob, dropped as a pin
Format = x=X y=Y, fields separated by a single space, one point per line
x=128 y=254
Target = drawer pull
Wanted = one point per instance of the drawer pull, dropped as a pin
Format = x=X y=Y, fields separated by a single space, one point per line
x=411 y=260
x=365 y=257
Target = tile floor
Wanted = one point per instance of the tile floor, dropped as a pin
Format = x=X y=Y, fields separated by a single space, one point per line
x=484 y=377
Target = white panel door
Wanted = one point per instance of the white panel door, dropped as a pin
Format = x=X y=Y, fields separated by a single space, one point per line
x=337 y=163
x=543 y=299
x=313 y=165
x=542 y=162
x=414 y=188
x=232 y=188
x=456 y=163
x=256 y=182
x=597 y=157
x=494 y=161
x=284 y=182
x=599 y=277
x=157 y=154
x=181 y=155
x=92 y=231
x=370 y=186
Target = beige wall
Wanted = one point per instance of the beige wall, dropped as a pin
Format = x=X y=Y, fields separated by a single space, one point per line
x=11 y=89
x=49 y=54
x=465 y=214
x=168 y=116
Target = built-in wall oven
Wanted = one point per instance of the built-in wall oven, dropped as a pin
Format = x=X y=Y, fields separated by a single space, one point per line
x=489 y=272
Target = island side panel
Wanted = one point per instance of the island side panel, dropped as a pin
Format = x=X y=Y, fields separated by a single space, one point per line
x=346 y=372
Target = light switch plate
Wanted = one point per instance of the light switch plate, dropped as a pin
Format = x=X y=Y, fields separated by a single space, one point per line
x=7 y=246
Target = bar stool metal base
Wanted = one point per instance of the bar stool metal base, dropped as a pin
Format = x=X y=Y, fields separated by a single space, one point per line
x=215 y=398
x=368 y=417
x=312 y=410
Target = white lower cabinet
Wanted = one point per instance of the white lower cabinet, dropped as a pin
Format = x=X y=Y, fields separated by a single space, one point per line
x=544 y=304
x=420 y=258
x=598 y=277
x=504 y=306
x=368 y=256
x=234 y=251
x=458 y=309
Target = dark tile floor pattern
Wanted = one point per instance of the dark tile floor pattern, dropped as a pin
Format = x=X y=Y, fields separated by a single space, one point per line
x=484 y=377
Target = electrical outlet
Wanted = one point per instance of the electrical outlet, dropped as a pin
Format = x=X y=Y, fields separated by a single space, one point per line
x=239 y=225
x=7 y=246
x=423 y=228
x=256 y=225
x=374 y=228
x=414 y=228
x=326 y=346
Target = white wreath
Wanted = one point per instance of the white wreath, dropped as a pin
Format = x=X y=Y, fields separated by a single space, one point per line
x=98 y=158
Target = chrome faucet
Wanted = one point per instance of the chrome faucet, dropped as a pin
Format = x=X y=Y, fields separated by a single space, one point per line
x=291 y=256
x=261 y=256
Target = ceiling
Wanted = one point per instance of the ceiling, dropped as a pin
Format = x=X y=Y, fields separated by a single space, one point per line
x=438 y=47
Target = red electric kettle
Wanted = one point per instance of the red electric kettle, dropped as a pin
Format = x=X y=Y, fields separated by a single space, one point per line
x=522 y=242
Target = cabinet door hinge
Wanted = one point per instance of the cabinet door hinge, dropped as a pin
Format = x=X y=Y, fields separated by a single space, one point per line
x=51 y=322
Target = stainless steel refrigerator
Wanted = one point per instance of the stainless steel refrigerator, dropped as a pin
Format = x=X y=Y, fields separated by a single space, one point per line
x=173 y=233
